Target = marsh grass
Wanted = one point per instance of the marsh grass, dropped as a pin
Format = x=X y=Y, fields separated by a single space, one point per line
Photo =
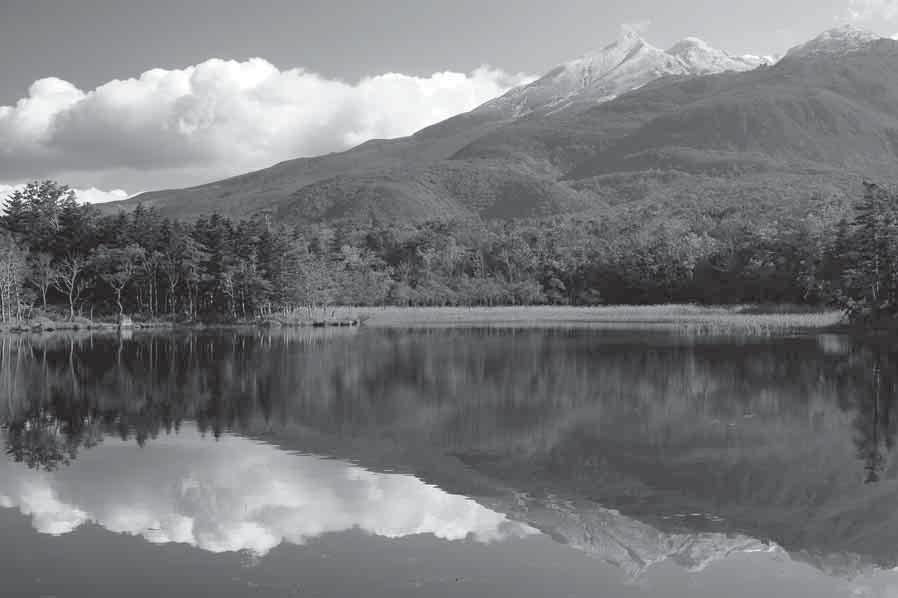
x=693 y=319
x=305 y=316
x=688 y=318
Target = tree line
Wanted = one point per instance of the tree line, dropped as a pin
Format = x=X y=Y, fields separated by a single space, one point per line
x=58 y=255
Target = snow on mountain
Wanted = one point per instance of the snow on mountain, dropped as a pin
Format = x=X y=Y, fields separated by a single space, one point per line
x=626 y=543
x=622 y=66
x=701 y=59
x=840 y=40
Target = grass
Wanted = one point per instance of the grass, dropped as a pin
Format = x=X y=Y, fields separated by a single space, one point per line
x=44 y=323
x=308 y=317
x=747 y=319
x=691 y=318
x=52 y=322
x=55 y=322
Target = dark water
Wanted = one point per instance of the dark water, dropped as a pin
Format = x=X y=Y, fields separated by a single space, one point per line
x=448 y=462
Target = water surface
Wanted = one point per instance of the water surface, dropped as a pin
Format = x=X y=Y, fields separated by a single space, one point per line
x=448 y=462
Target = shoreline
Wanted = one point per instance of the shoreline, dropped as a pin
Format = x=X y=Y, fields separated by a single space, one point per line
x=687 y=318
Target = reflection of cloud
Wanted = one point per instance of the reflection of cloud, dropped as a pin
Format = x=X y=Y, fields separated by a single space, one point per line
x=48 y=513
x=236 y=494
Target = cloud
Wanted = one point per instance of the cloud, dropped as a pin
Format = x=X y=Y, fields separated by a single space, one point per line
x=90 y=195
x=94 y=195
x=236 y=494
x=640 y=27
x=866 y=10
x=220 y=117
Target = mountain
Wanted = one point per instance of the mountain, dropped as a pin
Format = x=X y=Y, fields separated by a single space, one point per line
x=828 y=105
x=701 y=59
x=690 y=129
x=622 y=66
x=835 y=42
x=290 y=186
x=627 y=543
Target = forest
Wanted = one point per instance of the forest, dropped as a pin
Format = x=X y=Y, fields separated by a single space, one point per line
x=66 y=259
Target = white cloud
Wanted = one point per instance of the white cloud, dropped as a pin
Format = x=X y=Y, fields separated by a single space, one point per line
x=866 y=10
x=94 y=195
x=90 y=195
x=640 y=27
x=236 y=494
x=219 y=117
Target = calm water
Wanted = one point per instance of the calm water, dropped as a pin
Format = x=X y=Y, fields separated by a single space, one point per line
x=448 y=462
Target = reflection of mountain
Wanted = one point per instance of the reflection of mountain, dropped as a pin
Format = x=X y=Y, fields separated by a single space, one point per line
x=626 y=542
x=240 y=495
x=763 y=438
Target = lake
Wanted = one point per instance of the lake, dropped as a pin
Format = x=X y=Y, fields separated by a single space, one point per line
x=448 y=462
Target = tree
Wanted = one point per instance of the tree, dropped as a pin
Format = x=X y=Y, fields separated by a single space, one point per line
x=872 y=277
x=12 y=277
x=42 y=273
x=180 y=257
x=319 y=283
x=118 y=267
x=16 y=212
x=35 y=212
x=70 y=279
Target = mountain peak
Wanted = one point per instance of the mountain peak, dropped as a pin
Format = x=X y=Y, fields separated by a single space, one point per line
x=700 y=58
x=689 y=43
x=836 y=41
x=624 y=65
x=629 y=34
x=626 y=43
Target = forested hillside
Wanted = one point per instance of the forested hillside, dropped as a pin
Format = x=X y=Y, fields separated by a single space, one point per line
x=62 y=256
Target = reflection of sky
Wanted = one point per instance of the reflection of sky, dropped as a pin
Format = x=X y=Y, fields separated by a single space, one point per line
x=237 y=494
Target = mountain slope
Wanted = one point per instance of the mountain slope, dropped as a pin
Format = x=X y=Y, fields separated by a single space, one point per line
x=814 y=110
x=387 y=171
x=456 y=189
x=250 y=193
x=606 y=129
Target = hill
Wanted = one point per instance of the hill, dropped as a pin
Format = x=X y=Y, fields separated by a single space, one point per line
x=606 y=129
x=396 y=171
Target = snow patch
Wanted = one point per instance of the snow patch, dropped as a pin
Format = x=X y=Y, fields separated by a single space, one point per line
x=837 y=41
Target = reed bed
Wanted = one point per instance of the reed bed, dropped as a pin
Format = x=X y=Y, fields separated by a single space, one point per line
x=306 y=316
x=685 y=318
x=689 y=318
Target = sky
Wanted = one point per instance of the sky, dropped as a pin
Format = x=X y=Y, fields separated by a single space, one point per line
x=114 y=97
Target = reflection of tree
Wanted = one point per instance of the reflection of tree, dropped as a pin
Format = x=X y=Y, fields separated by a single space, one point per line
x=44 y=441
x=560 y=394
x=756 y=432
x=64 y=395
x=875 y=420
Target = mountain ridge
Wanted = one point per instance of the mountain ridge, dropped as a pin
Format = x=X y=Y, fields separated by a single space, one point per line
x=623 y=65
x=629 y=109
